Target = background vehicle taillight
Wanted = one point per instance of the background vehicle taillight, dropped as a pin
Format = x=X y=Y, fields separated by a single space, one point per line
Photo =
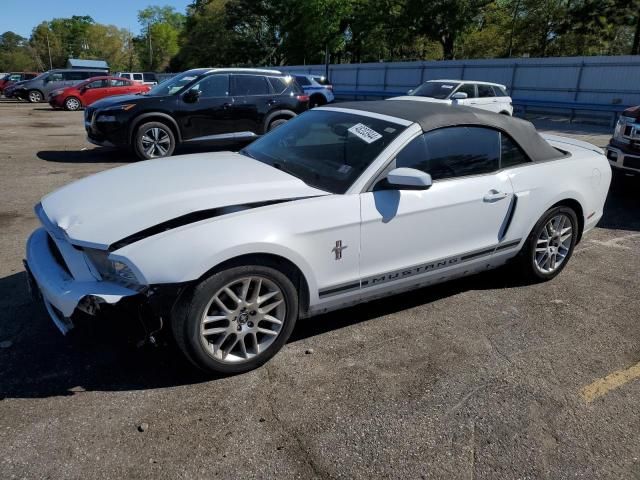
x=302 y=98
x=329 y=87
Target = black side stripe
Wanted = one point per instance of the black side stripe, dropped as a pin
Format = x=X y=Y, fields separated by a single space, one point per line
x=512 y=244
x=414 y=270
x=193 y=217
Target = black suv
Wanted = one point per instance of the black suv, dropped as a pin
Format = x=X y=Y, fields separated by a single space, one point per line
x=201 y=105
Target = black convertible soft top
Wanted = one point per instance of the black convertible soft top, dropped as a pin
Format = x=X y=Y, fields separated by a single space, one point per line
x=431 y=116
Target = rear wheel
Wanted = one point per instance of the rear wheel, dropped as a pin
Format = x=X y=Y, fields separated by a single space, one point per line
x=550 y=244
x=72 y=104
x=154 y=140
x=276 y=123
x=237 y=319
x=35 y=96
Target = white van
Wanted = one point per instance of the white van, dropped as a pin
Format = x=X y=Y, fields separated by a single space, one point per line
x=146 y=78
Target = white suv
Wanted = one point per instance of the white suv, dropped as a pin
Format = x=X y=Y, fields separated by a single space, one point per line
x=485 y=95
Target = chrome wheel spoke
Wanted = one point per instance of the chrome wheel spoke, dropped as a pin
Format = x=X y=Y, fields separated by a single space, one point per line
x=553 y=244
x=243 y=319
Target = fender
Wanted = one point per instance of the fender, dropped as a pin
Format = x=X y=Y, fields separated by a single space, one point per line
x=277 y=113
x=164 y=116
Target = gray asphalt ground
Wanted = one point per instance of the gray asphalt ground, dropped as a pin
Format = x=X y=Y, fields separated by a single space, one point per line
x=482 y=378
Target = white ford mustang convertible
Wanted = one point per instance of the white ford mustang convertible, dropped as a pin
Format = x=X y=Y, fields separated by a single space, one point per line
x=339 y=206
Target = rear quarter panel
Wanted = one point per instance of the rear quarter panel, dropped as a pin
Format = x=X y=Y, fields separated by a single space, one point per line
x=583 y=176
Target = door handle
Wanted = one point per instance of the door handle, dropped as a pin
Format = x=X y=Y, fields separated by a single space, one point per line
x=494 y=196
x=226 y=105
x=272 y=101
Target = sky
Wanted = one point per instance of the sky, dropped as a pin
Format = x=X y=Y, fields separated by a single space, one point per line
x=21 y=16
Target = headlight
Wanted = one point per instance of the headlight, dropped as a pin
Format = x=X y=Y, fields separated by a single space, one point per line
x=55 y=93
x=123 y=271
x=109 y=269
x=617 y=133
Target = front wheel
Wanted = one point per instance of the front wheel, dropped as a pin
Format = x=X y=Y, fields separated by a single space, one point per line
x=154 y=140
x=34 y=96
x=550 y=244
x=72 y=104
x=237 y=319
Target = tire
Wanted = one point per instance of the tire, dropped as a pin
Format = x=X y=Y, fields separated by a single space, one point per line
x=535 y=265
x=35 y=96
x=72 y=104
x=236 y=331
x=276 y=123
x=316 y=101
x=154 y=140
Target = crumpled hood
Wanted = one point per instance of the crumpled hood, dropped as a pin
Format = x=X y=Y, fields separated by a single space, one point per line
x=101 y=209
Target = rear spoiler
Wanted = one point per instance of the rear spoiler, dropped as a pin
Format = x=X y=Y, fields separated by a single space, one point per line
x=573 y=142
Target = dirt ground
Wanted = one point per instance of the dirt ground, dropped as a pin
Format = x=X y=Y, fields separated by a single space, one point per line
x=482 y=378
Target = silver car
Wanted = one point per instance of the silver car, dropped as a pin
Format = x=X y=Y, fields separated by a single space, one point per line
x=38 y=89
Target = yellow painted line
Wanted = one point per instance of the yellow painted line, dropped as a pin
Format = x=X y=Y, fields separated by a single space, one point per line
x=610 y=382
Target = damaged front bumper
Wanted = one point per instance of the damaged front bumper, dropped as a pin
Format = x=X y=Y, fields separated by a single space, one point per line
x=61 y=292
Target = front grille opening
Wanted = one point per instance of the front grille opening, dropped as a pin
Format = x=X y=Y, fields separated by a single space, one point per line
x=55 y=251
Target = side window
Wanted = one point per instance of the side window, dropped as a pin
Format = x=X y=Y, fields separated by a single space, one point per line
x=246 y=85
x=469 y=89
x=414 y=155
x=55 y=77
x=98 y=84
x=137 y=77
x=278 y=84
x=485 y=91
x=119 y=83
x=15 y=78
x=461 y=151
x=511 y=154
x=149 y=77
x=304 y=81
x=500 y=92
x=213 y=86
x=75 y=76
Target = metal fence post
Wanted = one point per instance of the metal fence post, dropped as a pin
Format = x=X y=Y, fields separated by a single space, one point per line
x=579 y=80
x=463 y=69
x=384 y=82
x=357 y=81
x=513 y=79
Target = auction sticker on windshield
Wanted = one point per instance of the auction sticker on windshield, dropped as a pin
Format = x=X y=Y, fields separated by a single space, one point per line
x=365 y=133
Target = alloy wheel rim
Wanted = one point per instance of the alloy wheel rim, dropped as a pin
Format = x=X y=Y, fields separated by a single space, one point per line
x=156 y=142
x=72 y=104
x=34 y=96
x=243 y=319
x=553 y=244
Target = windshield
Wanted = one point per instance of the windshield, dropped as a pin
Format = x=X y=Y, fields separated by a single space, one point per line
x=325 y=149
x=173 y=84
x=439 y=90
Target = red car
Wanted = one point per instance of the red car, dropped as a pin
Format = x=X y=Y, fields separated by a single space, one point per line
x=92 y=90
x=13 y=77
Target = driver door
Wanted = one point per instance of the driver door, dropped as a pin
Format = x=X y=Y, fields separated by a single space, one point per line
x=449 y=229
x=209 y=117
x=94 y=91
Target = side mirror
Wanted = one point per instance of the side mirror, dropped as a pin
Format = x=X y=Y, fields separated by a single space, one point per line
x=191 y=96
x=409 y=92
x=409 y=179
x=459 y=96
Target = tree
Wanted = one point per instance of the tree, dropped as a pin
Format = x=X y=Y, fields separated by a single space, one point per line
x=15 y=53
x=159 y=40
x=444 y=20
